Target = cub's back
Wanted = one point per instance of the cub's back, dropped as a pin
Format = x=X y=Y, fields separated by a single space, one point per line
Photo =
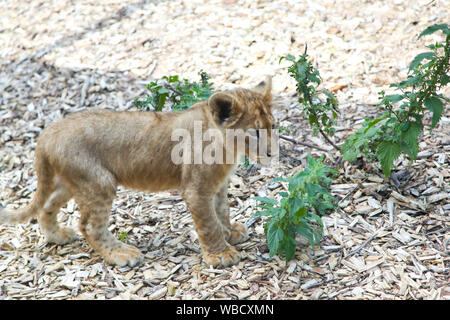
x=135 y=146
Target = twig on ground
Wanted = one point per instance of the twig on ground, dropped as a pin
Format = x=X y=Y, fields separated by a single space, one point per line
x=302 y=143
x=361 y=246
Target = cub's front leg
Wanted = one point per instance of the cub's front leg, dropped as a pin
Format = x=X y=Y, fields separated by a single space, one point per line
x=216 y=250
x=235 y=232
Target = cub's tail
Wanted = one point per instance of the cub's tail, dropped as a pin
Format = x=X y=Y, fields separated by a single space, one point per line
x=45 y=178
x=13 y=216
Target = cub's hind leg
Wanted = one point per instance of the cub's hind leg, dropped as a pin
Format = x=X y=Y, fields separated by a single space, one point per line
x=94 y=202
x=94 y=227
x=48 y=215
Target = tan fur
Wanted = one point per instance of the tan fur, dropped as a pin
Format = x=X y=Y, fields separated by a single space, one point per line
x=88 y=154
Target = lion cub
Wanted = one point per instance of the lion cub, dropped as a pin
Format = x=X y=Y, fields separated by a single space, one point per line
x=88 y=154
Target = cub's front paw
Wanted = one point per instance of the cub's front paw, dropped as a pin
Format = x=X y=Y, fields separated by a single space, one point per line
x=123 y=255
x=238 y=233
x=226 y=258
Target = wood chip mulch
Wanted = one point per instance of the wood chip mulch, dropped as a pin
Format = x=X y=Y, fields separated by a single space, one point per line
x=389 y=239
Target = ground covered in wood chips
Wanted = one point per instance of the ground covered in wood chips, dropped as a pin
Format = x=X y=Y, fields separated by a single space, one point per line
x=387 y=240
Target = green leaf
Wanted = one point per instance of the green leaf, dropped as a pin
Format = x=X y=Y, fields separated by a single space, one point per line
x=435 y=105
x=289 y=57
x=174 y=78
x=393 y=98
x=262 y=213
x=387 y=152
x=350 y=155
x=289 y=248
x=279 y=179
x=445 y=79
x=301 y=72
x=314 y=77
x=312 y=119
x=311 y=160
x=306 y=232
x=412 y=81
x=274 y=237
x=316 y=218
x=266 y=200
x=123 y=235
x=409 y=143
x=434 y=28
x=332 y=100
x=418 y=59
x=313 y=189
x=295 y=206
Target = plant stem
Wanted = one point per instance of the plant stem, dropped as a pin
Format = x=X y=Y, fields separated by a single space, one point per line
x=168 y=86
x=329 y=140
x=309 y=99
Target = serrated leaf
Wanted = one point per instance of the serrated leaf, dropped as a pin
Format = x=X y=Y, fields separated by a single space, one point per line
x=435 y=105
x=313 y=77
x=393 y=98
x=418 y=59
x=316 y=218
x=301 y=72
x=274 y=237
x=409 y=136
x=332 y=99
x=350 y=150
x=289 y=248
x=306 y=232
x=289 y=57
x=279 y=179
x=387 y=152
x=434 y=28
x=412 y=81
x=350 y=155
x=266 y=200
x=265 y=213
x=312 y=119
x=445 y=79
x=313 y=189
x=295 y=205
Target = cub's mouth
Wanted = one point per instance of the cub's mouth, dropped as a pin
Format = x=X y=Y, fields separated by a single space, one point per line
x=262 y=147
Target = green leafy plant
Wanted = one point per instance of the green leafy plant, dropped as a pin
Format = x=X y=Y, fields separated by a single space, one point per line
x=245 y=162
x=123 y=235
x=298 y=211
x=282 y=129
x=320 y=106
x=398 y=128
x=181 y=93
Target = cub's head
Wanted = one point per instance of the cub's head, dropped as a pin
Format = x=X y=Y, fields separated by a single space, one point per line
x=246 y=117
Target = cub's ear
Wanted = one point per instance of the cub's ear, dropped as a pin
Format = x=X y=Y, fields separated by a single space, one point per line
x=224 y=109
x=265 y=88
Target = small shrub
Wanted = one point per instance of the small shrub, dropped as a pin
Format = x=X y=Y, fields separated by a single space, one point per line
x=319 y=106
x=299 y=210
x=398 y=128
x=181 y=93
